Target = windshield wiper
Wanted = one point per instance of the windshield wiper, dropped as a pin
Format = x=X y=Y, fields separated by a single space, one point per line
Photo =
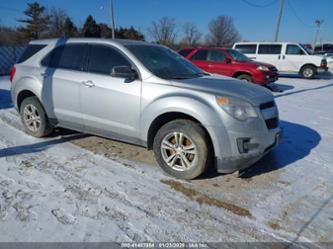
x=190 y=76
x=201 y=74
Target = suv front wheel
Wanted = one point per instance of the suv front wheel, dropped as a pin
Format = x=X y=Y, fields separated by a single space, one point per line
x=308 y=72
x=245 y=77
x=34 y=118
x=181 y=149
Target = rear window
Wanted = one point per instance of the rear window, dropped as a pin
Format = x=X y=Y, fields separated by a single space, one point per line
x=200 y=55
x=69 y=56
x=30 y=51
x=185 y=52
x=247 y=48
x=269 y=49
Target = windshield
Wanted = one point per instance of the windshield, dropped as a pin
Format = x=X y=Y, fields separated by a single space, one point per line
x=238 y=56
x=309 y=51
x=165 y=63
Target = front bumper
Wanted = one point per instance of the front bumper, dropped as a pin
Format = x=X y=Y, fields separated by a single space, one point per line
x=239 y=144
x=322 y=69
x=264 y=78
x=243 y=161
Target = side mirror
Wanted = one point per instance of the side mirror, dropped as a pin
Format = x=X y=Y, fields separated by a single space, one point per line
x=227 y=61
x=125 y=72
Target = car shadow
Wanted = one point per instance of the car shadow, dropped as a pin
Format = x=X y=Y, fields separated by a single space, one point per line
x=284 y=87
x=5 y=99
x=65 y=136
x=304 y=90
x=320 y=76
x=297 y=143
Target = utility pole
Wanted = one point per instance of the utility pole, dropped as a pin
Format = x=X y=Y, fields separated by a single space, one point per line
x=112 y=18
x=318 y=23
x=278 y=22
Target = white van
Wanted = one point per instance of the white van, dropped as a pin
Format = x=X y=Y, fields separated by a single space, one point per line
x=285 y=56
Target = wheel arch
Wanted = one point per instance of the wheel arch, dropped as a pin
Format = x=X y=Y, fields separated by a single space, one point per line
x=167 y=117
x=236 y=74
x=308 y=64
x=22 y=95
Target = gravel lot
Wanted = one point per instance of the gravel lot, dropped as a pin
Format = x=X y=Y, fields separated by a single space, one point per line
x=79 y=187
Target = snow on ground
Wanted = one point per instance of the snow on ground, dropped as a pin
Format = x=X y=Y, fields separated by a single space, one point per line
x=64 y=189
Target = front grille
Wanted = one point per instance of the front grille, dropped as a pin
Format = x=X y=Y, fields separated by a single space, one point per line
x=272 y=123
x=267 y=105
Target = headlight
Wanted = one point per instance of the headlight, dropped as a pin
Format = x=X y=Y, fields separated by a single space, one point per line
x=237 y=108
x=323 y=63
x=263 y=68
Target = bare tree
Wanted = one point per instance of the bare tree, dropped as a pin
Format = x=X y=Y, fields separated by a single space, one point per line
x=222 y=32
x=164 y=31
x=10 y=36
x=57 y=22
x=192 y=34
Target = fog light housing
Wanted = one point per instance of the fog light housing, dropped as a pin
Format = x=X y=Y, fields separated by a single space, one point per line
x=244 y=145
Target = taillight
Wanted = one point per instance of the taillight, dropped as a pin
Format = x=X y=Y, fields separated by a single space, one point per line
x=12 y=73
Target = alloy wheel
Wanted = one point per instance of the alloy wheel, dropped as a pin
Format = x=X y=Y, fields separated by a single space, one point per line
x=31 y=118
x=178 y=151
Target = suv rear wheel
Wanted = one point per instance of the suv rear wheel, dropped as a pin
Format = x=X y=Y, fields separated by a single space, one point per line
x=308 y=72
x=181 y=149
x=244 y=77
x=34 y=118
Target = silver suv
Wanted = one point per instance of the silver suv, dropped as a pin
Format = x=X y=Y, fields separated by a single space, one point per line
x=147 y=95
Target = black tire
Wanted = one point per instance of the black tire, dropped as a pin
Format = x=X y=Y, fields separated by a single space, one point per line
x=193 y=134
x=308 y=72
x=43 y=127
x=244 y=77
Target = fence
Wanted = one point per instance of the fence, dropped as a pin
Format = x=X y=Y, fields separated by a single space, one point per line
x=8 y=56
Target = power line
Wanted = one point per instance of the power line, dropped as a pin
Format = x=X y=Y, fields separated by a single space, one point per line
x=10 y=9
x=259 y=5
x=297 y=17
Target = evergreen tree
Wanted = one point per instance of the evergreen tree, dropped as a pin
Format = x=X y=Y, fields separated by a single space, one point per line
x=69 y=28
x=90 y=28
x=37 y=21
x=129 y=33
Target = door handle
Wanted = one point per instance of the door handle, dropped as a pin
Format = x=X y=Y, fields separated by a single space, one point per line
x=210 y=65
x=283 y=57
x=88 y=83
x=279 y=57
x=44 y=75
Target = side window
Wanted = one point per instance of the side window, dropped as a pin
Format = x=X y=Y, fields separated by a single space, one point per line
x=30 y=51
x=103 y=58
x=217 y=56
x=269 y=49
x=200 y=55
x=185 y=52
x=294 y=50
x=69 y=56
x=247 y=48
x=328 y=47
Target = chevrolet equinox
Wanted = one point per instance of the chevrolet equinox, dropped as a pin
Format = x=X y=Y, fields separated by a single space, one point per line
x=148 y=95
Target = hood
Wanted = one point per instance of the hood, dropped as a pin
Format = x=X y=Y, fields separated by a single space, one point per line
x=258 y=63
x=221 y=85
